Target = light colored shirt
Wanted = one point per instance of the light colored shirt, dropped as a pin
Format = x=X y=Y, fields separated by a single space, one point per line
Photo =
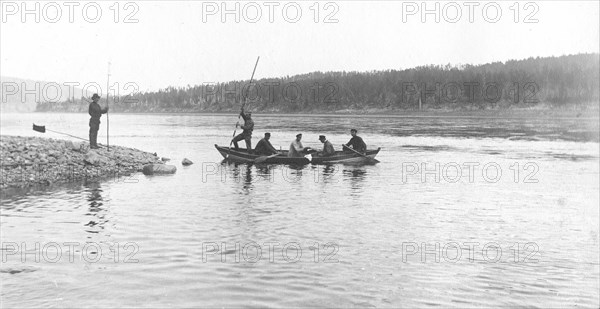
x=327 y=149
x=296 y=149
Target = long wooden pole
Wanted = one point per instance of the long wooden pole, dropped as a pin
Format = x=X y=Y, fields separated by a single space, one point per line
x=251 y=78
x=244 y=101
x=107 y=94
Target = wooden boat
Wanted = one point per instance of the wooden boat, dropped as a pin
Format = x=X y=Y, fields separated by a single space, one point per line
x=347 y=158
x=241 y=155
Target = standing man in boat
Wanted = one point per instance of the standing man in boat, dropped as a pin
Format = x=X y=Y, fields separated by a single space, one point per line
x=264 y=147
x=95 y=112
x=328 y=150
x=248 y=127
x=356 y=142
x=296 y=148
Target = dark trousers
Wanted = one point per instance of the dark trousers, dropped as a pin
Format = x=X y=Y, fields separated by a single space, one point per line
x=94 y=127
x=243 y=136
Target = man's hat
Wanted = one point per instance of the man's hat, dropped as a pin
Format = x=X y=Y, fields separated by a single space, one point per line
x=95 y=96
x=299 y=134
x=321 y=136
x=353 y=130
x=267 y=134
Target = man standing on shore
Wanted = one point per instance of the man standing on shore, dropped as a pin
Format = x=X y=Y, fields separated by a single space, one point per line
x=95 y=112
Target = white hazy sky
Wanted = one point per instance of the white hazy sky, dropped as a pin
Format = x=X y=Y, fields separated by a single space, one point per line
x=172 y=45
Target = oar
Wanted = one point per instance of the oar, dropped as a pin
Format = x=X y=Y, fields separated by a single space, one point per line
x=372 y=160
x=262 y=159
x=42 y=129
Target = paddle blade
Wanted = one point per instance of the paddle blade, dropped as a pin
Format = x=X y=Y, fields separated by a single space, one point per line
x=41 y=129
x=261 y=159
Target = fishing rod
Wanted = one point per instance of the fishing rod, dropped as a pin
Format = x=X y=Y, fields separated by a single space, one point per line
x=42 y=129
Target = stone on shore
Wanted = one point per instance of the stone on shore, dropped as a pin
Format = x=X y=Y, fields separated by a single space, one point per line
x=79 y=146
x=93 y=158
x=186 y=162
x=154 y=169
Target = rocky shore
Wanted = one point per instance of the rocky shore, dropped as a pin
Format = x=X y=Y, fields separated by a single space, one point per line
x=31 y=161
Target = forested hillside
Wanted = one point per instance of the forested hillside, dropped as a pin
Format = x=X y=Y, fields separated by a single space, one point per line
x=566 y=81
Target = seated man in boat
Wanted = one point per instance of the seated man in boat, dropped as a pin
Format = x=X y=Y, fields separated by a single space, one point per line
x=246 y=135
x=328 y=150
x=296 y=148
x=356 y=142
x=264 y=147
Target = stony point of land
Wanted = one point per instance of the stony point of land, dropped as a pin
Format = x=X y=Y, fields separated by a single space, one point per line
x=30 y=161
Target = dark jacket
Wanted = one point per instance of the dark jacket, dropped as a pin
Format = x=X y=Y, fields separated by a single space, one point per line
x=248 y=126
x=357 y=144
x=264 y=147
x=96 y=112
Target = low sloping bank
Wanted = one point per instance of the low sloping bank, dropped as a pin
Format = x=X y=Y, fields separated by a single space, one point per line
x=31 y=161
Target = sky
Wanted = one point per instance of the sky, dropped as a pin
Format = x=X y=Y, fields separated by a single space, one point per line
x=156 y=44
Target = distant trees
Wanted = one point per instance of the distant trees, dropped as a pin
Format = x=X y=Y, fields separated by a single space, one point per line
x=554 y=81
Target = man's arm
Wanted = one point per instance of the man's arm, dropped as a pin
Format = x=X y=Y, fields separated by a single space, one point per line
x=243 y=113
x=352 y=141
x=271 y=148
x=248 y=125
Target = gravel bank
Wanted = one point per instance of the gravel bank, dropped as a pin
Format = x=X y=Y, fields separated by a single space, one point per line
x=30 y=161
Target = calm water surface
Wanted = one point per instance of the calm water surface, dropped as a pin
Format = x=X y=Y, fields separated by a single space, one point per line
x=343 y=236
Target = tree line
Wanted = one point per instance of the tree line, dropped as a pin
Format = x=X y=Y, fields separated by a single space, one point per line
x=552 y=81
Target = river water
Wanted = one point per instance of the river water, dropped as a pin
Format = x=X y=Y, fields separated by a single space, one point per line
x=461 y=212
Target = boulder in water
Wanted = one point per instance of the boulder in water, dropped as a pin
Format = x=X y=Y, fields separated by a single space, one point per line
x=152 y=169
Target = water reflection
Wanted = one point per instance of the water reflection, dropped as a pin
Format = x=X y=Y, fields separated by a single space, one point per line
x=265 y=172
x=96 y=209
x=236 y=173
x=356 y=176
x=326 y=174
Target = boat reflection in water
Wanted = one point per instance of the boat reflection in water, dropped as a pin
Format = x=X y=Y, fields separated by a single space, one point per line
x=356 y=176
x=248 y=177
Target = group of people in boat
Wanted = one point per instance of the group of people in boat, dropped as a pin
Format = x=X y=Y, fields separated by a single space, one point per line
x=265 y=148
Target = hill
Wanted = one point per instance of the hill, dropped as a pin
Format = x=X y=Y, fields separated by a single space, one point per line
x=552 y=82
x=24 y=95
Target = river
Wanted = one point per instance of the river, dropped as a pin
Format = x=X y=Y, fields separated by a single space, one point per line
x=460 y=212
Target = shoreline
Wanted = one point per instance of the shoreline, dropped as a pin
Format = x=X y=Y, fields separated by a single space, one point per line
x=36 y=161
